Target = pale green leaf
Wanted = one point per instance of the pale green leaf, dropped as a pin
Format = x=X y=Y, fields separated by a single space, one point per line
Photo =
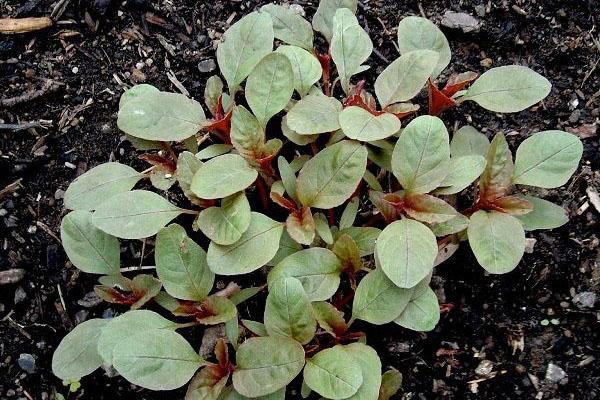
x=136 y=92
x=181 y=265
x=457 y=224
x=350 y=46
x=378 y=300
x=469 y=141
x=329 y=318
x=323 y=19
x=212 y=91
x=219 y=309
x=547 y=159
x=428 y=208
x=507 y=89
x=92 y=188
x=404 y=78
x=134 y=215
x=349 y=215
x=418 y=33
x=496 y=178
x=289 y=26
x=258 y=328
x=88 y=248
x=322 y=228
x=158 y=359
x=161 y=116
x=255 y=248
x=305 y=66
x=422 y=154
x=545 y=215
x=314 y=114
x=223 y=176
x=497 y=240
x=294 y=137
x=247 y=135
x=391 y=383
x=242 y=47
x=270 y=86
x=288 y=177
x=328 y=376
x=318 y=269
x=230 y=394
x=462 y=171
x=422 y=312
x=364 y=237
x=370 y=364
x=406 y=250
x=330 y=178
x=187 y=165
x=287 y=247
x=77 y=355
x=266 y=365
x=213 y=150
x=226 y=224
x=288 y=312
x=126 y=325
x=359 y=124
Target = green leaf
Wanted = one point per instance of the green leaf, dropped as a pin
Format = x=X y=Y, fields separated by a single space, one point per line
x=266 y=364
x=136 y=92
x=255 y=248
x=507 y=89
x=422 y=154
x=146 y=285
x=381 y=154
x=372 y=181
x=547 y=159
x=322 y=228
x=162 y=177
x=332 y=379
x=404 y=78
x=77 y=355
x=258 y=328
x=305 y=66
x=545 y=215
x=223 y=176
x=158 y=359
x=496 y=178
x=422 y=312
x=349 y=215
x=88 y=248
x=462 y=171
x=329 y=318
x=161 y=116
x=213 y=150
x=247 y=135
x=329 y=178
x=314 y=114
x=350 y=46
x=290 y=27
x=92 y=188
x=242 y=47
x=359 y=124
x=134 y=215
x=391 y=383
x=370 y=364
x=364 y=237
x=323 y=19
x=288 y=311
x=406 y=251
x=417 y=33
x=457 y=224
x=378 y=300
x=212 y=92
x=469 y=141
x=427 y=208
x=208 y=384
x=126 y=325
x=270 y=86
x=288 y=177
x=287 y=247
x=318 y=269
x=300 y=226
x=497 y=240
x=218 y=309
x=294 y=137
x=181 y=265
x=225 y=225
x=187 y=166
x=230 y=394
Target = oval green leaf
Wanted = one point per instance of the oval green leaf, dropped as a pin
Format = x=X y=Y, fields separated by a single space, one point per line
x=255 y=248
x=289 y=26
x=545 y=215
x=422 y=312
x=305 y=66
x=406 y=251
x=314 y=114
x=469 y=141
x=330 y=178
x=323 y=18
x=88 y=248
x=326 y=374
x=359 y=124
x=134 y=215
x=462 y=171
x=370 y=364
x=223 y=176
x=226 y=224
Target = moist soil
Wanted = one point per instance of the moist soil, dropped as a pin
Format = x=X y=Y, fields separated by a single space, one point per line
x=520 y=323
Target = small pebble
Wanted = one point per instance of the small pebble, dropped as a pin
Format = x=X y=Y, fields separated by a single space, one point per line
x=20 y=295
x=484 y=368
x=207 y=65
x=585 y=299
x=70 y=165
x=554 y=373
x=75 y=70
x=27 y=363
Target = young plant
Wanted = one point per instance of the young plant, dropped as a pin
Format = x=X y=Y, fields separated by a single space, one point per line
x=369 y=208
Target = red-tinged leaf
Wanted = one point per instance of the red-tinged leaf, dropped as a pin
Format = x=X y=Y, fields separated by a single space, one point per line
x=301 y=226
x=282 y=201
x=402 y=110
x=457 y=82
x=114 y=296
x=427 y=208
x=325 y=61
x=268 y=152
x=346 y=249
x=388 y=204
x=514 y=205
x=166 y=163
x=359 y=98
x=214 y=310
x=496 y=179
x=220 y=126
x=142 y=289
x=221 y=353
x=438 y=101
x=330 y=319
x=208 y=383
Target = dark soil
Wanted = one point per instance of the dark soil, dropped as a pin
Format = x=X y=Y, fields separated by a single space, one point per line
x=100 y=45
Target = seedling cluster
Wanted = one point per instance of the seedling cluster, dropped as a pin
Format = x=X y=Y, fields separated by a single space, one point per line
x=369 y=203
